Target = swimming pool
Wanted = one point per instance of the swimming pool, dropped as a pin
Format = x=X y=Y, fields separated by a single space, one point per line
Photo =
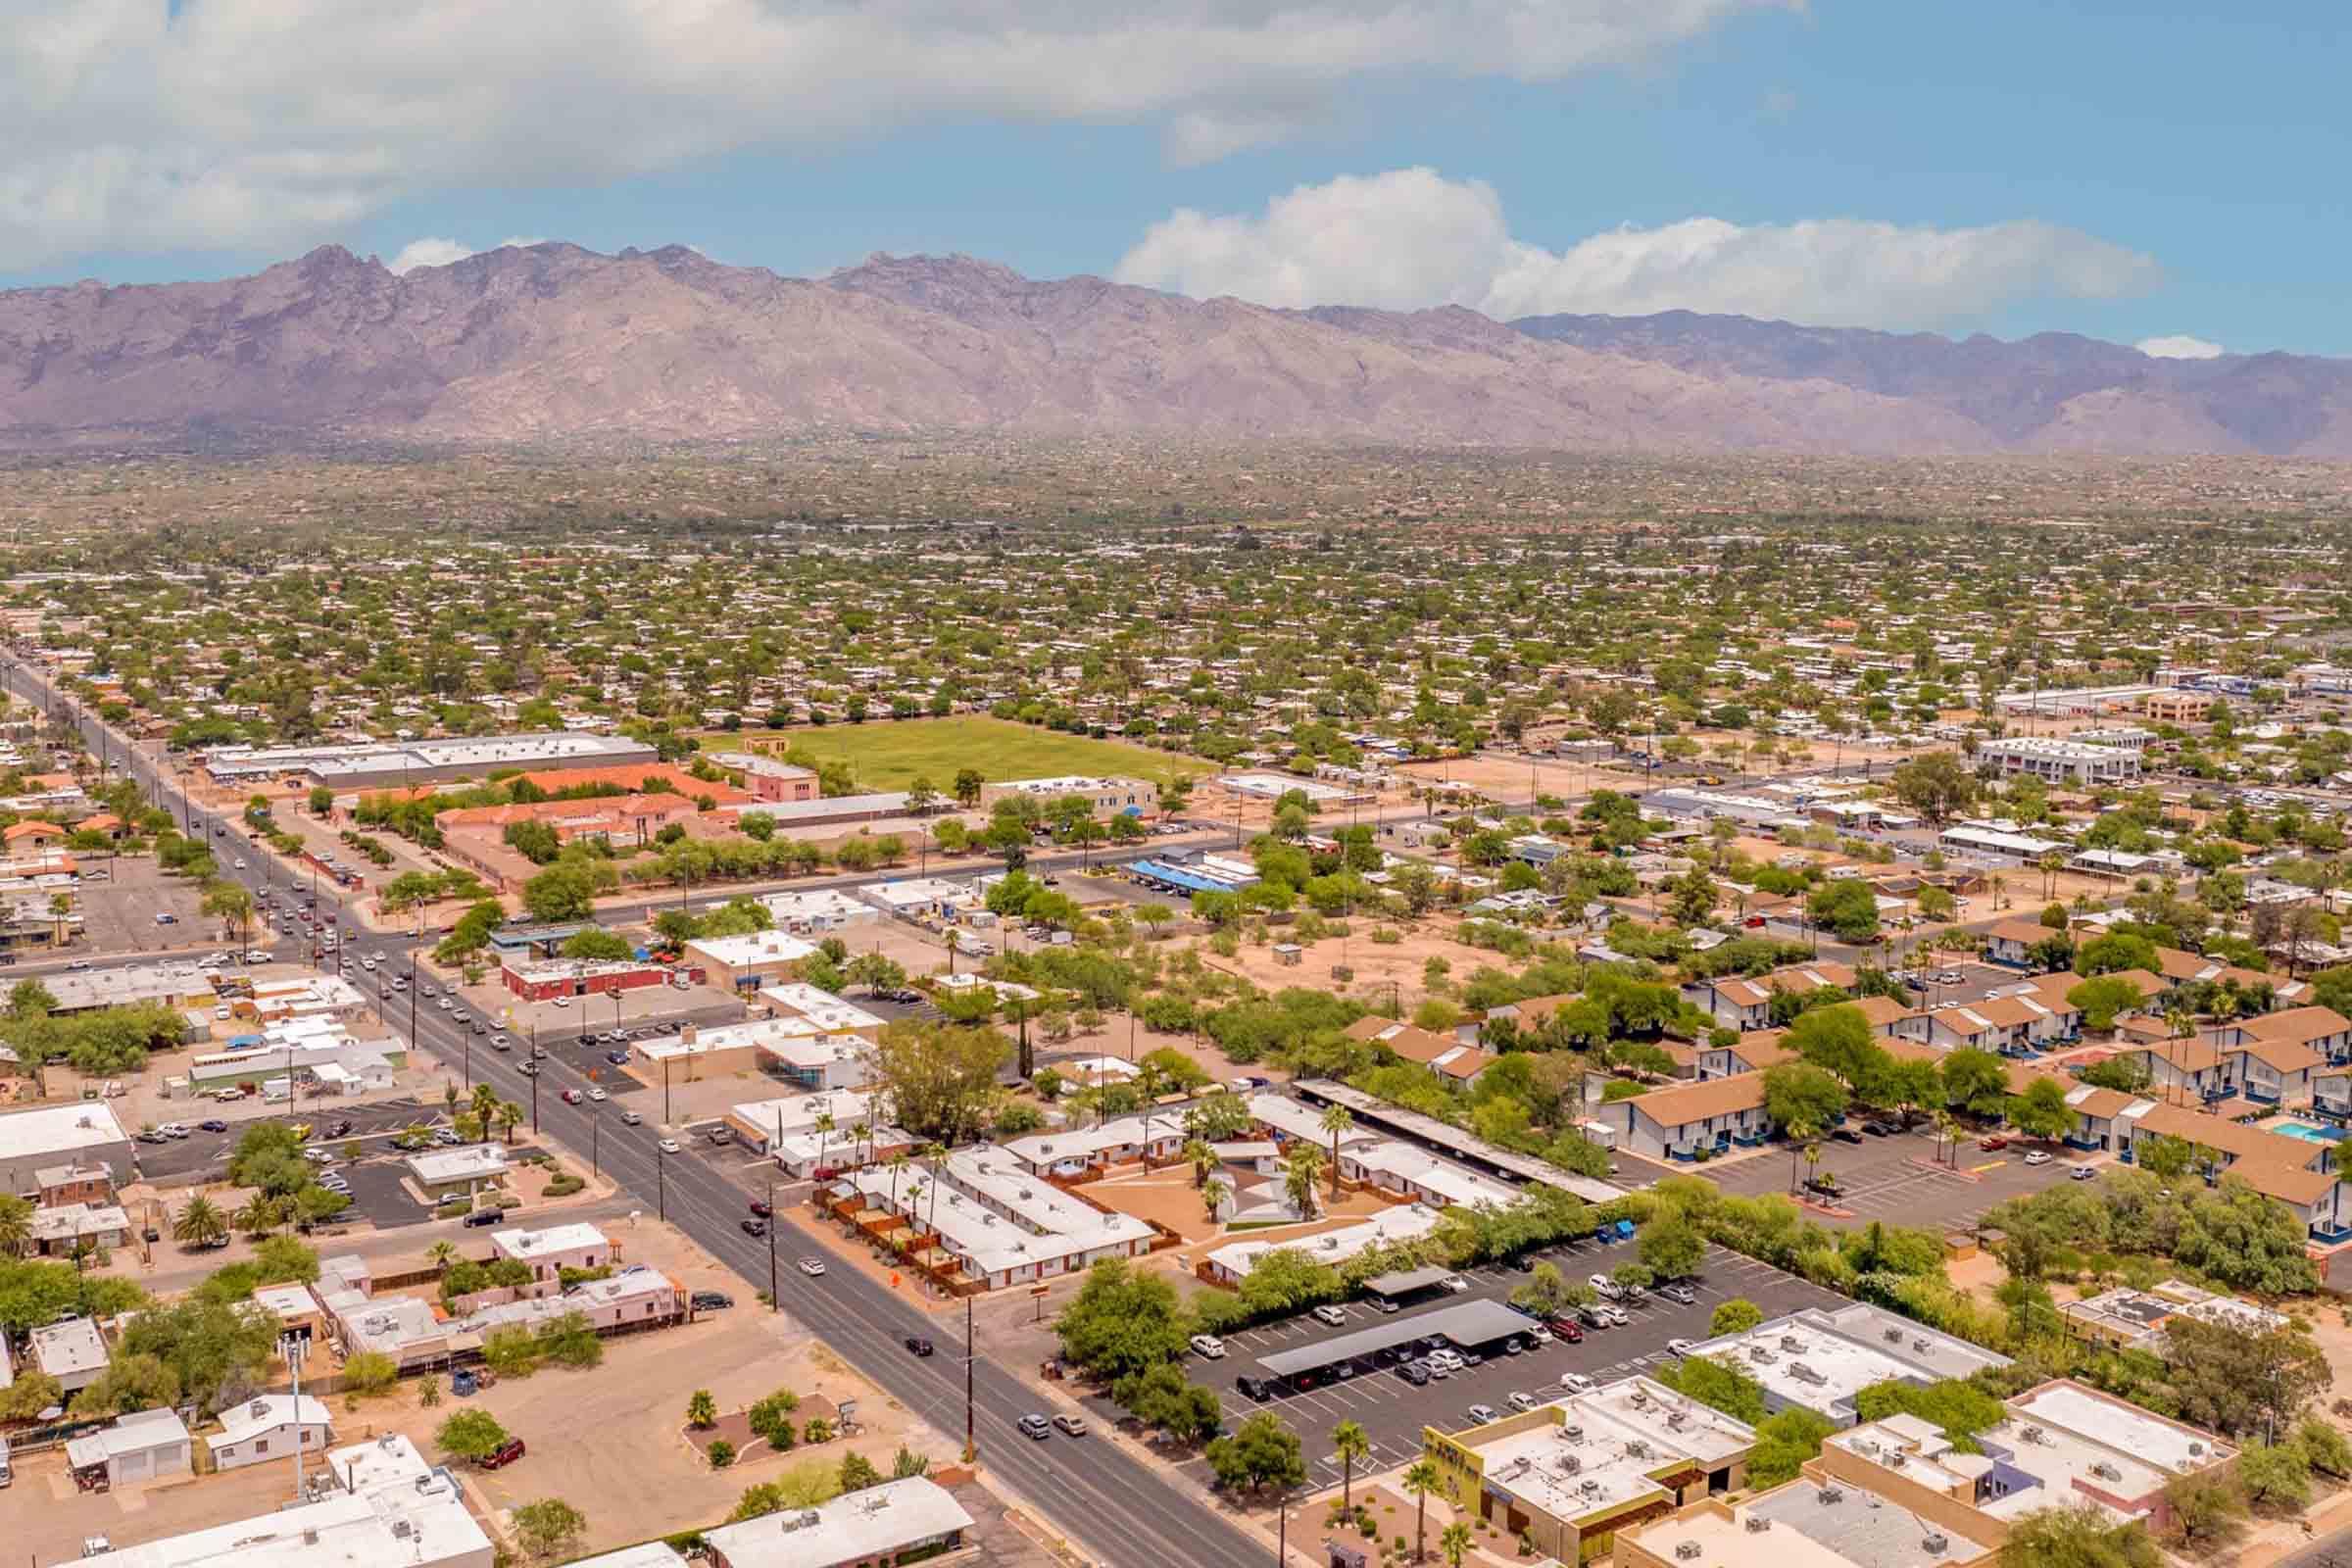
x=2307 y=1132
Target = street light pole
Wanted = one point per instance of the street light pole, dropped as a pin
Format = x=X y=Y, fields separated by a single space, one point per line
x=535 y=1105
x=971 y=1353
x=296 y=1348
x=661 y=1184
x=773 y=1305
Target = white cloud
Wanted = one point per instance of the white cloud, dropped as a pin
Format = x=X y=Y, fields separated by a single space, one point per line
x=2180 y=347
x=248 y=122
x=432 y=252
x=1412 y=238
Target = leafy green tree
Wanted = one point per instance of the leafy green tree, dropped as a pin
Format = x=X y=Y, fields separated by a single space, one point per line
x=2206 y=1507
x=1162 y=1396
x=2041 y=1112
x=1848 y=906
x=2079 y=1537
x=2235 y=1383
x=2324 y=1448
x=858 y=1472
x=1976 y=1080
x=1938 y=785
x=2246 y=1242
x=1261 y=1452
x=722 y=1454
x=2274 y=1475
x=1672 y=1249
x=1734 y=1316
x=2103 y=998
x=473 y=1433
x=771 y=1418
x=2117 y=950
x=549 y=1529
x=1783 y=1443
x=1715 y=1380
x=1798 y=1094
x=131 y=1382
x=1122 y=1320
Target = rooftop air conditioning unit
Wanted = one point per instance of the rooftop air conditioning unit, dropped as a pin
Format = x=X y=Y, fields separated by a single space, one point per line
x=401 y=1529
x=1758 y=1524
x=2106 y=1472
x=1894 y=1336
x=2030 y=1434
x=2196 y=1449
x=1937 y=1543
x=1590 y=1489
x=1570 y=1464
x=1636 y=1448
x=1828 y=1496
x=1791 y=1343
x=1897 y=1459
x=1574 y=1432
x=1687 y=1551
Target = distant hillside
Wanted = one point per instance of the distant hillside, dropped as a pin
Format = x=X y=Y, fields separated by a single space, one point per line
x=551 y=341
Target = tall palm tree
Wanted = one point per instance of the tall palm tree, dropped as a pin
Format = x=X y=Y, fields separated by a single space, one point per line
x=1202 y=1158
x=1801 y=1133
x=1214 y=1194
x=1453 y=1541
x=1336 y=1120
x=824 y=1133
x=914 y=1197
x=1299 y=1175
x=1420 y=1479
x=935 y=1152
x=484 y=1105
x=200 y=1224
x=1349 y=1442
x=441 y=1253
x=897 y=1164
x=509 y=1117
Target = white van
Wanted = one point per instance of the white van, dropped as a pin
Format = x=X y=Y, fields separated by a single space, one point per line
x=6 y=1474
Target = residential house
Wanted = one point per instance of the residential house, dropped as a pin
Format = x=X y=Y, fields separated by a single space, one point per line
x=1737 y=1003
x=144 y=1445
x=2012 y=942
x=1677 y=1123
x=270 y=1426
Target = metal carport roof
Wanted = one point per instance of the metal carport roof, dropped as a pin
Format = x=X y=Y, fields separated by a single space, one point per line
x=1467 y=1323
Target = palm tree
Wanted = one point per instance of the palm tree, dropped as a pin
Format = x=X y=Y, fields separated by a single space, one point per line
x=1453 y=1541
x=824 y=1133
x=1812 y=1160
x=259 y=1217
x=897 y=1164
x=935 y=1152
x=16 y=1225
x=1202 y=1158
x=1801 y=1133
x=1336 y=1120
x=509 y=1117
x=484 y=1107
x=1299 y=1176
x=1420 y=1479
x=914 y=1197
x=200 y=1223
x=1349 y=1442
x=1214 y=1194
x=441 y=1253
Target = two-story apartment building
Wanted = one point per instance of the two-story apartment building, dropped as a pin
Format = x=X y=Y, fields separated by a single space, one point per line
x=1739 y=1002
x=1676 y=1123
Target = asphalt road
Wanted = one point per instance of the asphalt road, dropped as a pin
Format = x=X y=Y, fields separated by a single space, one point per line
x=1128 y=1515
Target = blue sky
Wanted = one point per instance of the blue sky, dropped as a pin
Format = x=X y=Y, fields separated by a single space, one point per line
x=2128 y=170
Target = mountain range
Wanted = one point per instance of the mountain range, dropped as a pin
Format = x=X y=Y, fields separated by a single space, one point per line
x=552 y=342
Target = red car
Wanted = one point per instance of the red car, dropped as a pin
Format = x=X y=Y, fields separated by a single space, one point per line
x=571 y=1097
x=506 y=1454
x=1562 y=1329
x=1996 y=1141
x=761 y=1208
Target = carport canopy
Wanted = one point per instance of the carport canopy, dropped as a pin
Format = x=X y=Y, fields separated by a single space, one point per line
x=1407 y=1281
x=1467 y=1323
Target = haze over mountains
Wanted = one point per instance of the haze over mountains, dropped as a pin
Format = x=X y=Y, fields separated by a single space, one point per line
x=553 y=342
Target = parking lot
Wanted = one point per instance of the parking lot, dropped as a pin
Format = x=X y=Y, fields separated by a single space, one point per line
x=117 y=912
x=1393 y=1411
x=1888 y=1179
x=203 y=1152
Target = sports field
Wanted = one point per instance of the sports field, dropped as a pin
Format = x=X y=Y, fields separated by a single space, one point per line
x=888 y=755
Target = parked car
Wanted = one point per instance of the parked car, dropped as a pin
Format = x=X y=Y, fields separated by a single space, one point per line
x=1481 y=1414
x=1845 y=1134
x=1881 y=1129
x=213 y=1126
x=2039 y=1156
x=1604 y=1286
x=1679 y=1294
x=1520 y=1401
x=1327 y=1313
x=1414 y=1372
x=2082 y=1173
x=618 y=1058
x=506 y=1454
x=1680 y=1346
x=1035 y=1427
x=712 y=1301
x=1209 y=1345
x=1992 y=1141
x=1069 y=1425
x=1576 y=1383
x=1566 y=1328
x=485 y=1216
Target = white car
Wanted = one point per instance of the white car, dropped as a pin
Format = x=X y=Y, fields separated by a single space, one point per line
x=560 y=1002
x=2039 y=1156
x=1603 y=1286
x=1209 y=1345
x=1576 y=1383
x=1521 y=1402
x=1327 y=1313
x=598 y=1094
x=1455 y=1283
x=1539 y=1334
x=812 y=1266
x=1681 y=1347
x=668 y=1146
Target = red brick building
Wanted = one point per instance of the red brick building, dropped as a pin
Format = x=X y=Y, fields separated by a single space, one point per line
x=545 y=979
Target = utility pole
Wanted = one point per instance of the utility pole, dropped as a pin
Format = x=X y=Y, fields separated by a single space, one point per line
x=296 y=1348
x=971 y=1353
x=773 y=1305
x=596 y=1139
x=535 y=1105
x=661 y=1186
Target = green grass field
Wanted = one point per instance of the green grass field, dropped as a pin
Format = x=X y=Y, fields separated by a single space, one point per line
x=889 y=753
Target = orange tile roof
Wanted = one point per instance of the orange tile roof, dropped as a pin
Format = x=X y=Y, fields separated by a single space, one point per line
x=1692 y=1103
